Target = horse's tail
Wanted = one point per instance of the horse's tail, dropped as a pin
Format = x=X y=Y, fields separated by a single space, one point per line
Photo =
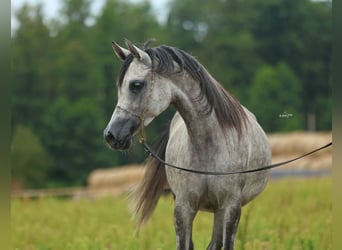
x=147 y=193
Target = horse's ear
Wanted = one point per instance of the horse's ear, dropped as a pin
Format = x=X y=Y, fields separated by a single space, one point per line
x=138 y=53
x=120 y=52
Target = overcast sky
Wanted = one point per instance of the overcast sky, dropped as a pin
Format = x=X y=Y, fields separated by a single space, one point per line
x=50 y=8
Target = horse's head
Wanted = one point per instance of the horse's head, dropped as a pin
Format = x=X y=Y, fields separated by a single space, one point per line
x=141 y=96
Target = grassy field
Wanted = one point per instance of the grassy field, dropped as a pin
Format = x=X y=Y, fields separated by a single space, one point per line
x=291 y=214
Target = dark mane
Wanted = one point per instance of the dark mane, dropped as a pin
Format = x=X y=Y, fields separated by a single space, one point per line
x=227 y=108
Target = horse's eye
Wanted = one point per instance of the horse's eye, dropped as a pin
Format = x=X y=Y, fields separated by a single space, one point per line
x=136 y=86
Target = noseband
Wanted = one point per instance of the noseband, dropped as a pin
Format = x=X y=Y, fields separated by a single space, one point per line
x=141 y=117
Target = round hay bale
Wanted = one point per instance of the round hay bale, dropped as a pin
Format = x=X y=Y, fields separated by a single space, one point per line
x=115 y=177
x=299 y=142
x=308 y=163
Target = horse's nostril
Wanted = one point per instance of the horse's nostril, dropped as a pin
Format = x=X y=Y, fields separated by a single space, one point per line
x=109 y=136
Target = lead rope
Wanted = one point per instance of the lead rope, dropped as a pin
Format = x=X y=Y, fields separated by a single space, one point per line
x=154 y=155
x=143 y=137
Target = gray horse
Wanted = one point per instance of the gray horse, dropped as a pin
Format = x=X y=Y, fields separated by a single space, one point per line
x=211 y=131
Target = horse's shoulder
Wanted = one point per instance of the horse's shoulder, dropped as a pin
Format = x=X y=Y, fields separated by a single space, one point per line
x=177 y=130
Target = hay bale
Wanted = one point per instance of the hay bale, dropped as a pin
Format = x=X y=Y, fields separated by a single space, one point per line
x=114 y=181
x=298 y=142
x=309 y=163
x=287 y=146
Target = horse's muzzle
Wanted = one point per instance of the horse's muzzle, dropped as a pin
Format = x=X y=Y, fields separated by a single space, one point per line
x=118 y=134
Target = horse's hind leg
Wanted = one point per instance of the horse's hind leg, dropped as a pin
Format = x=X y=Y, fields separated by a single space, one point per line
x=231 y=222
x=183 y=218
x=217 y=234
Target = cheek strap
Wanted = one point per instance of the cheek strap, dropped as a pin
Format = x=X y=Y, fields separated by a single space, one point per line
x=143 y=136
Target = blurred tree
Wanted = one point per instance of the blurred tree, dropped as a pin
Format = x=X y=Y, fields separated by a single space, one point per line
x=275 y=98
x=187 y=24
x=30 y=162
x=74 y=14
x=31 y=52
x=72 y=131
x=76 y=73
x=298 y=32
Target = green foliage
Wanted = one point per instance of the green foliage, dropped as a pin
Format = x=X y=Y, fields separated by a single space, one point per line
x=273 y=55
x=71 y=131
x=289 y=215
x=276 y=85
x=31 y=51
x=298 y=33
x=29 y=161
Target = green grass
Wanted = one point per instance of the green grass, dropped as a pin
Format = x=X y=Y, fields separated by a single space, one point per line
x=291 y=214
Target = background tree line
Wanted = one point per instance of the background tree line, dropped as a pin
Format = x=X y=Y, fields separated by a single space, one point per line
x=273 y=55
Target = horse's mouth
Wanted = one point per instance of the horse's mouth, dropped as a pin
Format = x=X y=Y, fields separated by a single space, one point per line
x=121 y=145
x=119 y=135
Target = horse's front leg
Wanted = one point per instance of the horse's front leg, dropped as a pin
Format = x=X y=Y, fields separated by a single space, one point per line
x=231 y=222
x=183 y=218
x=217 y=234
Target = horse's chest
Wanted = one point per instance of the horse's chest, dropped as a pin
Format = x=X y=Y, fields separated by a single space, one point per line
x=216 y=193
x=209 y=193
x=209 y=202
